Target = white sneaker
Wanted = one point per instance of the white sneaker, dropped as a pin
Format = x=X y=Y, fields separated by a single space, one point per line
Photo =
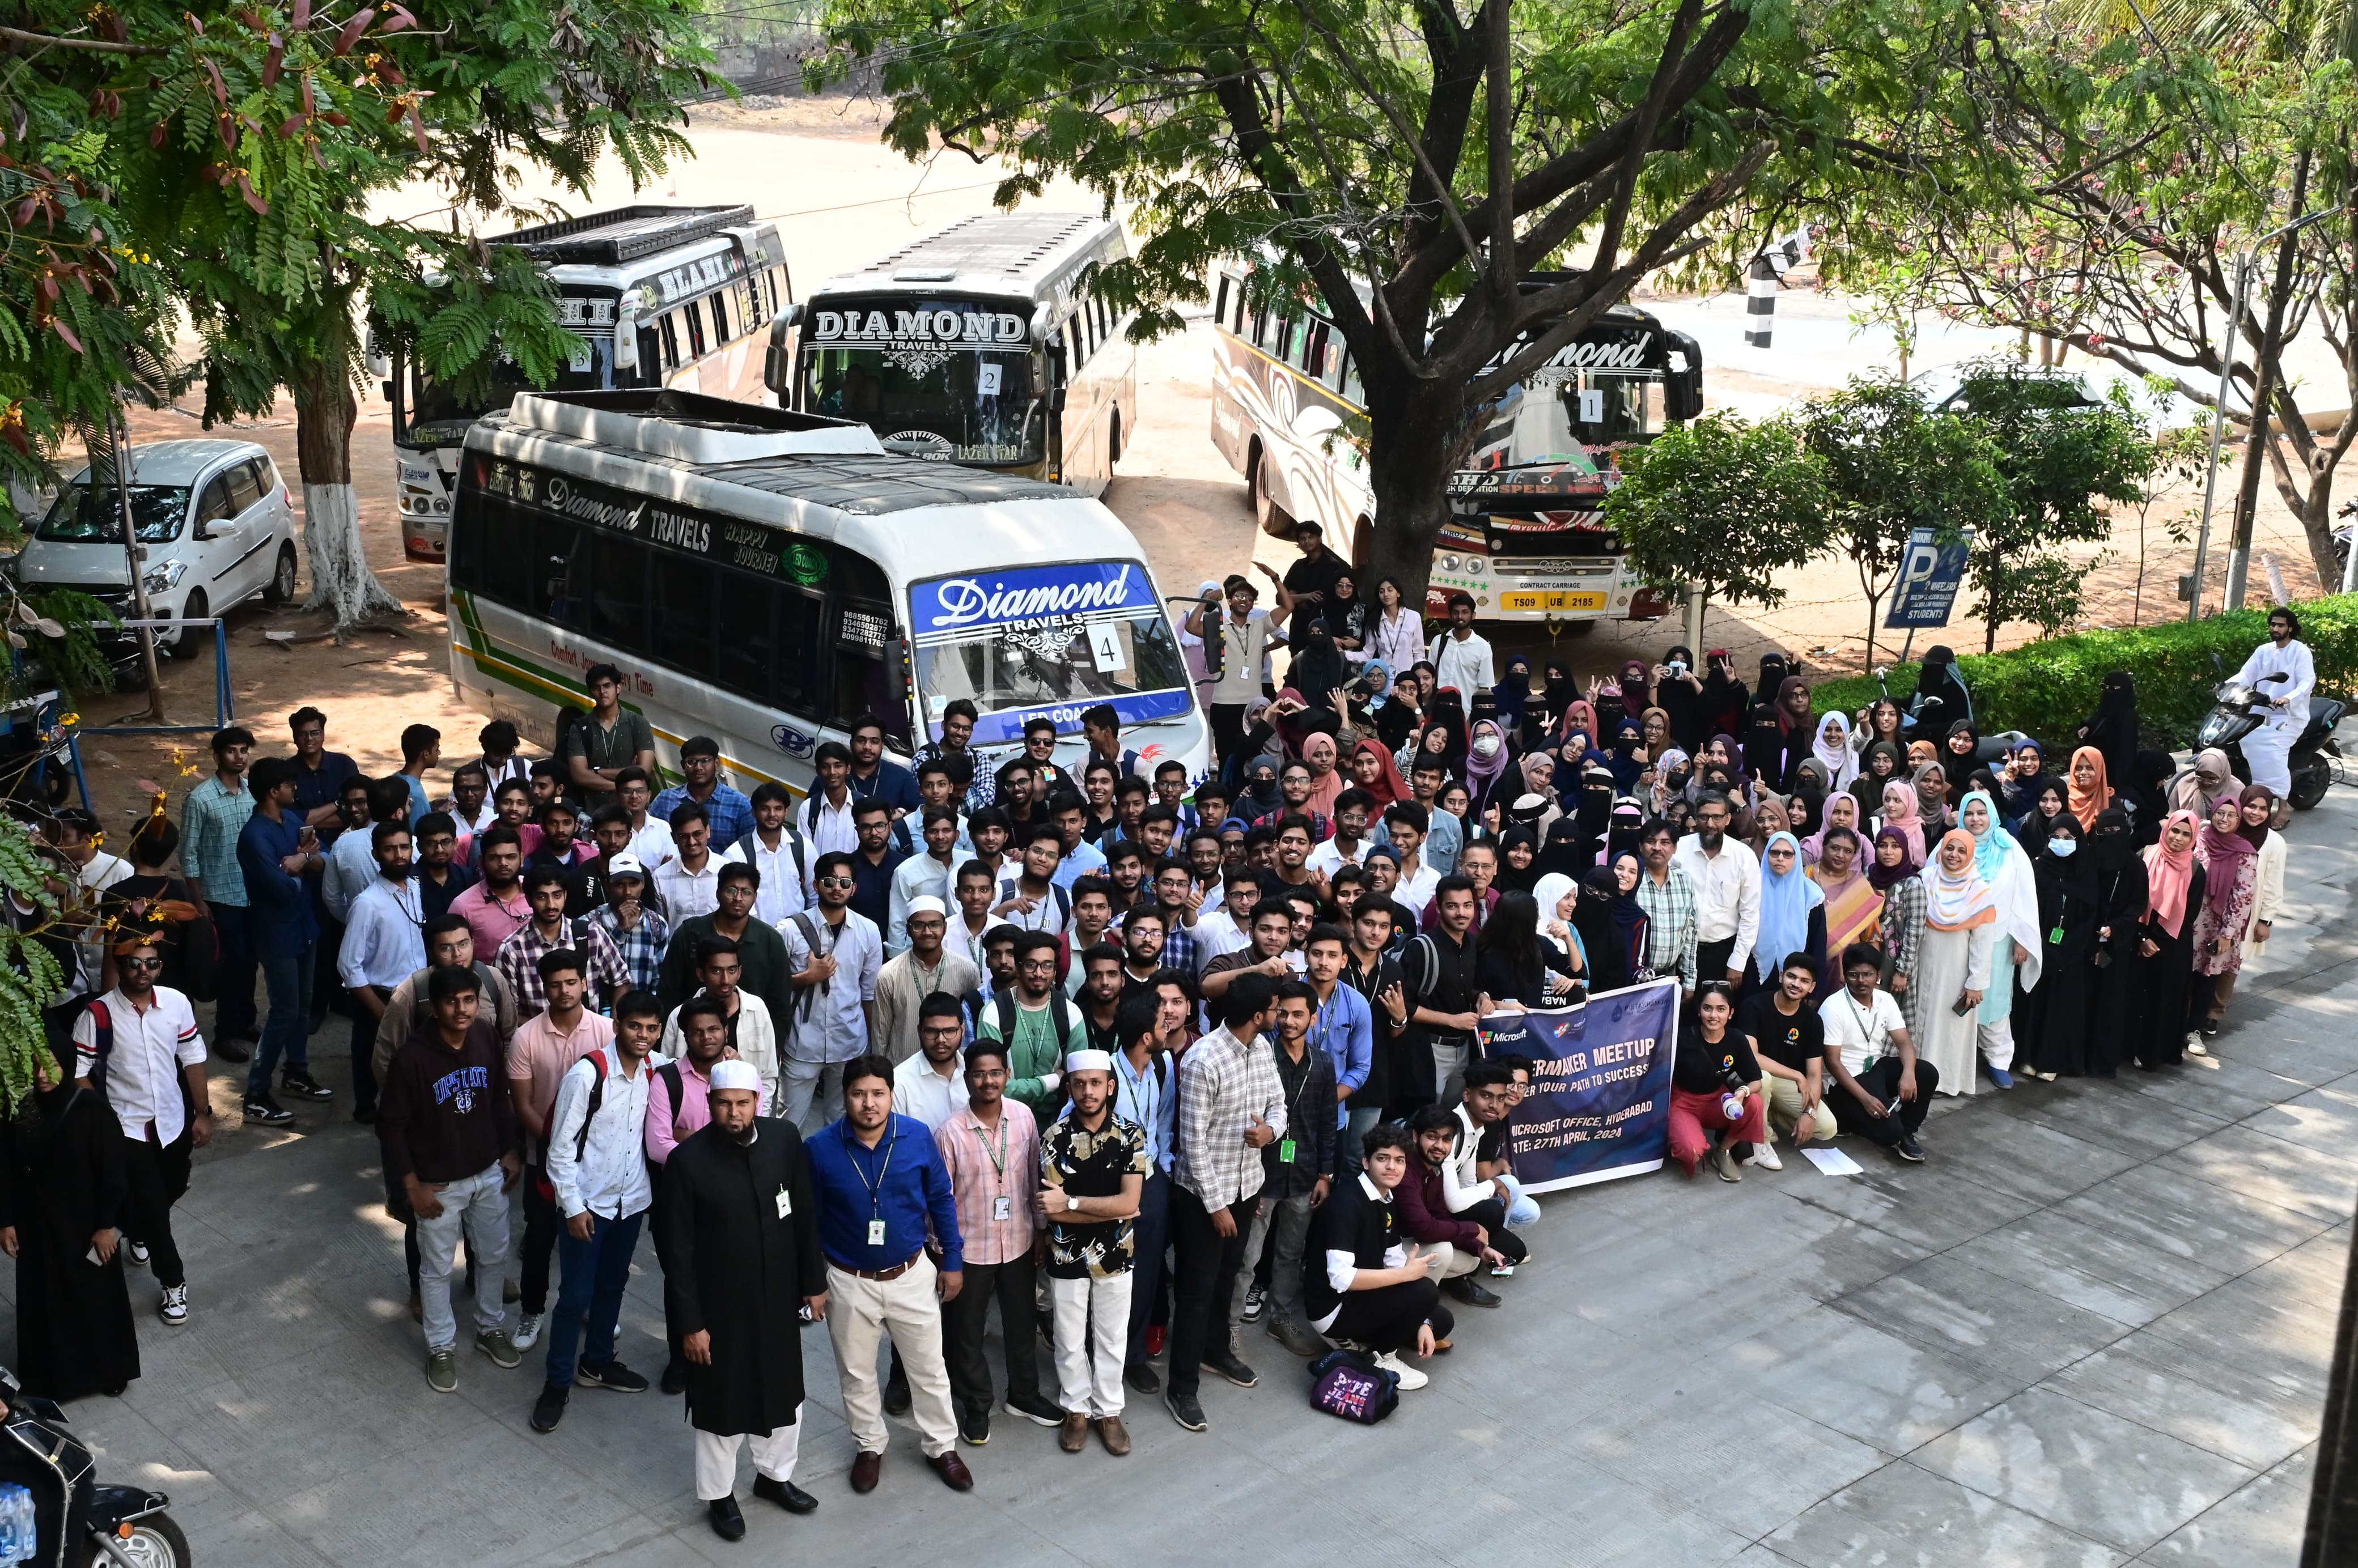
x=137 y=1251
x=528 y=1331
x=2194 y=1047
x=1765 y=1156
x=1409 y=1377
x=174 y=1307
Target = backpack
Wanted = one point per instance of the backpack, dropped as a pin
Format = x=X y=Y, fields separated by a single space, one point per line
x=800 y=1007
x=596 y=1060
x=1428 y=966
x=1348 y=1384
x=1060 y=1017
x=744 y=849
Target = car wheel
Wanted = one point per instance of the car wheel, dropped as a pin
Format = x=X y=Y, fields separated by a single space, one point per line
x=282 y=581
x=197 y=608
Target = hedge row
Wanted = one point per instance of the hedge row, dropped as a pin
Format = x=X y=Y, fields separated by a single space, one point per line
x=2048 y=688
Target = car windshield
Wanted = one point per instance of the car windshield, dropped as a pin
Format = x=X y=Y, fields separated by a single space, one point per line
x=84 y=516
x=943 y=396
x=438 y=417
x=1051 y=639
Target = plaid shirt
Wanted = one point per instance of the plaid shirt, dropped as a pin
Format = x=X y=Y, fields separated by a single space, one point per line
x=981 y=1178
x=1671 y=925
x=642 y=946
x=729 y=814
x=519 y=965
x=210 y=821
x=1903 y=926
x=1224 y=1082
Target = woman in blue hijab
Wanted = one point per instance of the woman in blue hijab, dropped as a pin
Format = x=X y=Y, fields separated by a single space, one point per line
x=1792 y=911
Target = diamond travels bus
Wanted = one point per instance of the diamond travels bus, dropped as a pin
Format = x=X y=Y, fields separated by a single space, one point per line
x=669 y=296
x=1526 y=537
x=982 y=343
x=764 y=576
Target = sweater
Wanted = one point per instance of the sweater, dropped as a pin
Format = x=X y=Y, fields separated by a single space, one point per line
x=444 y=1115
x=1424 y=1208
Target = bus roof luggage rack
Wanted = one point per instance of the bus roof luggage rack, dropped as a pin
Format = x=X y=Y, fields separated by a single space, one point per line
x=626 y=233
x=686 y=426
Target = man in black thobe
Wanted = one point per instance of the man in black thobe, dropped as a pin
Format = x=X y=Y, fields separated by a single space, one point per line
x=742 y=1226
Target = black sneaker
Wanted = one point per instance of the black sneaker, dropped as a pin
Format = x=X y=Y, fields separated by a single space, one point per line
x=268 y=1111
x=612 y=1374
x=896 y=1396
x=1467 y=1288
x=303 y=1085
x=1909 y=1148
x=232 y=1049
x=1142 y=1378
x=549 y=1409
x=1256 y=1303
x=974 y=1426
x=1226 y=1364
x=1186 y=1411
x=1034 y=1409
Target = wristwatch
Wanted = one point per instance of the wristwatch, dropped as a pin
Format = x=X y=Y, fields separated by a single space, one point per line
x=1071 y=1204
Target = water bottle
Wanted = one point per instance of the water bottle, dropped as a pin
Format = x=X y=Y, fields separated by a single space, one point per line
x=1731 y=1107
x=19 y=1539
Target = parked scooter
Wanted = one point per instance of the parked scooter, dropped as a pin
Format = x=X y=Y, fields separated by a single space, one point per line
x=79 y=1523
x=2315 y=761
x=1930 y=719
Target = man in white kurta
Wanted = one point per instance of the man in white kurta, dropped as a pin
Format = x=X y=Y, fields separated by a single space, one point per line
x=2285 y=700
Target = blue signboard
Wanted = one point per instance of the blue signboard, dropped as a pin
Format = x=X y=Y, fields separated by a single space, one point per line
x=1028 y=593
x=1007 y=725
x=1930 y=573
x=1600 y=1100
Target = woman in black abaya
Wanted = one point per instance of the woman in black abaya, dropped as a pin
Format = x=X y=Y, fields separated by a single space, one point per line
x=2113 y=730
x=2175 y=888
x=62 y=1185
x=2050 y=1020
x=2120 y=904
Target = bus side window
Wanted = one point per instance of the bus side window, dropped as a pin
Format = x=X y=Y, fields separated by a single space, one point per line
x=744 y=634
x=682 y=598
x=719 y=303
x=560 y=573
x=1353 y=392
x=1314 y=347
x=1074 y=353
x=618 y=592
x=1331 y=370
x=1260 y=329
x=1237 y=322
x=668 y=324
x=1221 y=302
x=694 y=317
x=863 y=683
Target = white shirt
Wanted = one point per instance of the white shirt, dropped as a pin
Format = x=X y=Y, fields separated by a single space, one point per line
x=829 y=828
x=1051 y=912
x=652 y=844
x=1862 y=1033
x=2293 y=660
x=485 y=814
x=1464 y=665
x=921 y=1092
x=687 y=895
x=781 y=893
x=383 y=935
x=969 y=943
x=144 y=1083
x=100 y=871
x=1326 y=859
x=756 y=1039
x=836 y=1027
x=1727 y=893
x=1217 y=932
x=352 y=866
x=1398 y=639
x=919 y=876
x=609 y=1179
x=1418 y=892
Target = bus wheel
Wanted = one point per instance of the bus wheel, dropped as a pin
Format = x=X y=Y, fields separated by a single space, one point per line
x=1267 y=514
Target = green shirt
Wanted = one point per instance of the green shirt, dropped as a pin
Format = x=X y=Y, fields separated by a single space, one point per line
x=1035 y=1053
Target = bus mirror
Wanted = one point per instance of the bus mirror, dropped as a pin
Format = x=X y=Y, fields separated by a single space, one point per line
x=1682 y=396
x=778 y=358
x=1055 y=376
x=387 y=386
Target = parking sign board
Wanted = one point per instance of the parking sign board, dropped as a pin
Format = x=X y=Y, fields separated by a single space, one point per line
x=1929 y=576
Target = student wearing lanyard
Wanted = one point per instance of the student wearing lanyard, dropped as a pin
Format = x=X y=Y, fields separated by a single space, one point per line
x=1142 y=1094
x=881 y=1184
x=1299 y=1169
x=991 y=1146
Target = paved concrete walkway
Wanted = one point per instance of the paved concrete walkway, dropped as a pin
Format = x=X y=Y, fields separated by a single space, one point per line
x=2093 y=1330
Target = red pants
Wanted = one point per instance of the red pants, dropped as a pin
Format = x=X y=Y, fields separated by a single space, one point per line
x=1695 y=1117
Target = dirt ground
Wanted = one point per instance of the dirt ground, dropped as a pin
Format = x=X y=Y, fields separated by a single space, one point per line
x=840 y=199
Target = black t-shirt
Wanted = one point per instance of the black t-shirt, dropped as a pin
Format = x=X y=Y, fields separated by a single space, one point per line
x=1312 y=574
x=1795 y=1042
x=1700 y=1066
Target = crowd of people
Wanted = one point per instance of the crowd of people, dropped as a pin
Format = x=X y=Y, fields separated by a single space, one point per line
x=1138 y=1058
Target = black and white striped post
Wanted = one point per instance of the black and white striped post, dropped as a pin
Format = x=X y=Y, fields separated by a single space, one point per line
x=1775 y=259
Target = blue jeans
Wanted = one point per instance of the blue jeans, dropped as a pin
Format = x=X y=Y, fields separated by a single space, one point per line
x=591 y=1276
x=1524 y=1209
x=286 y=978
x=1150 y=1236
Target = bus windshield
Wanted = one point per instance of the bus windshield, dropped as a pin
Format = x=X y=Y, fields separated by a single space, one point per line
x=1045 y=640
x=1560 y=413
x=438 y=417
x=925 y=380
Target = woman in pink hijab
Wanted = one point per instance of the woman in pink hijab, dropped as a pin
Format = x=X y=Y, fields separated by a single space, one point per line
x=1900 y=814
x=1327 y=781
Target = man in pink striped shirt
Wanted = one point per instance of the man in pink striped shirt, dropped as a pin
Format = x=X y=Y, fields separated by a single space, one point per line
x=991 y=1146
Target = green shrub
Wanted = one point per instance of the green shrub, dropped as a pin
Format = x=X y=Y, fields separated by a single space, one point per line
x=2047 y=689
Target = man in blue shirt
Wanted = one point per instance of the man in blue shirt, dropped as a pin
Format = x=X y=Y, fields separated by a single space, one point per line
x=728 y=812
x=875 y=777
x=319 y=773
x=275 y=850
x=880 y=1183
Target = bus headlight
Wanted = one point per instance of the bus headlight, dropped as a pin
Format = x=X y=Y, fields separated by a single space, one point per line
x=1473 y=566
x=1449 y=563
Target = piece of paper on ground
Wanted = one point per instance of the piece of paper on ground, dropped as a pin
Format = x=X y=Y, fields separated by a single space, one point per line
x=1831 y=1161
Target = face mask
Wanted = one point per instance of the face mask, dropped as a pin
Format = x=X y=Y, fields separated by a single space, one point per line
x=2062 y=849
x=1487 y=747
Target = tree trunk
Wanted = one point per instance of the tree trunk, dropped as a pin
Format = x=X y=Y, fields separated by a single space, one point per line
x=325 y=413
x=1412 y=454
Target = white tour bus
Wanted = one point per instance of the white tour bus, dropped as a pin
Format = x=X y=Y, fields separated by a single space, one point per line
x=674 y=296
x=764 y=576
x=983 y=343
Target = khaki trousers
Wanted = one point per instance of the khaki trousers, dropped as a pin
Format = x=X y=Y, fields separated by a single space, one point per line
x=858 y=1313
x=1785 y=1107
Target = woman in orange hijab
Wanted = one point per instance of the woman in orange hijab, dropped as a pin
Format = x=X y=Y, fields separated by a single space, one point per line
x=2090 y=792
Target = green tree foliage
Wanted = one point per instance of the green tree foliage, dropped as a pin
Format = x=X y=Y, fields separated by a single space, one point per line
x=1723 y=505
x=1419 y=164
x=1891 y=466
x=2059 y=456
x=30 y=976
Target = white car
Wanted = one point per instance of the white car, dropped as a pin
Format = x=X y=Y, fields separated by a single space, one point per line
x=216 y=527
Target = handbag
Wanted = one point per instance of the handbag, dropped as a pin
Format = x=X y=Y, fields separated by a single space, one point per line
x=1349 y=1384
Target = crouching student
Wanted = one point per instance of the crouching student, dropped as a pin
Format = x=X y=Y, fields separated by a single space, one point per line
x=1716 y=1107
x=1457 y=1245
x=1363 y=1284
x=1881 y=1090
